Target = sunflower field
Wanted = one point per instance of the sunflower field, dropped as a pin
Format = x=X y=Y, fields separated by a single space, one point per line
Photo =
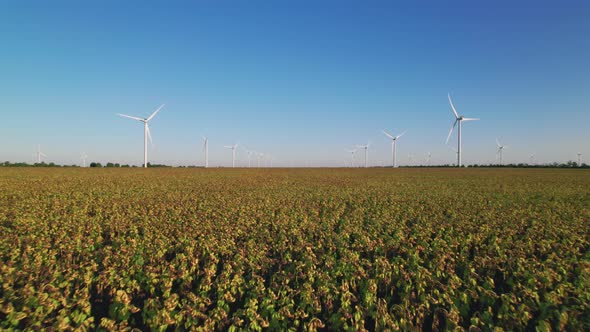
x=294 y=249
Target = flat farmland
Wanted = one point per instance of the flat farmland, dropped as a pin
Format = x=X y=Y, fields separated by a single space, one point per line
x=294 y=249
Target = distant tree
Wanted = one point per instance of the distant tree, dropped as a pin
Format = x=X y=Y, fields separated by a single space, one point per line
x=93 y=164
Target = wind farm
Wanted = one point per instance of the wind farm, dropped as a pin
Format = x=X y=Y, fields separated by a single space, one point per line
x=314 y=166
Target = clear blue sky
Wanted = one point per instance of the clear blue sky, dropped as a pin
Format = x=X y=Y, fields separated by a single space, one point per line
x=301 y=80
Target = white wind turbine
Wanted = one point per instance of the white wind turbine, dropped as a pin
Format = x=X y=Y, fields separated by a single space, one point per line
x=258 y=157
x=500 y=150
x=366 y=148
x=352 y=152
x=250 y=153
x=83 y=157
x=458 y=119
x=579 y=158
x=428 y=159
x=531 y=159
x=393 y=145
x=206 y=150
x=146 y=131
x=249 y=157
x=40 y=154
x=233 y=153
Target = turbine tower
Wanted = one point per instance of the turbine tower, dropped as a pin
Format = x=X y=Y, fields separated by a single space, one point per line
x=146 y=131
x=40 y=154
x=454 y=150
x=83 y=157
x=500 y=150
x=393 y=145
x=206 y=150
x=458 y=119
x=233 y=154
x=366 y=148
x=428 y=159
x=579 y=159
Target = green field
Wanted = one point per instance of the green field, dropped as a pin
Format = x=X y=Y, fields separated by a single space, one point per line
x=300 y=249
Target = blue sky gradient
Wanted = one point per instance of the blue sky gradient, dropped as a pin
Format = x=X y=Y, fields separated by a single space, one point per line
x=302 y=80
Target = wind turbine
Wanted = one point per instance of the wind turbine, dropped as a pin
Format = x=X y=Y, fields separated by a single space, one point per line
x=83 y=157
x=146 y=131
x=579 y=159
x=249 y=158
x=352 y=152
x=258 y=157
x=458 y=119
x=366 y=148
x=40 y=154
x=393 y=147
x=233 y=153
x=428 y=159
x=206 y=150
x=531 y=159
x=500 y=150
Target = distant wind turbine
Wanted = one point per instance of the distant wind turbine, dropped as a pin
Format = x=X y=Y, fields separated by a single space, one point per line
x=458 y=119
x=352 y=152
x=393 y=145
x=83 y=157
x=40 y=154
x=579 y=159
x=500 y=150
x=258 y=157
x=206 y=150
x=233 y=153
x=146 y=131
x=249 y=157
x=428 y=159
x=532 y=159
x=366 y=148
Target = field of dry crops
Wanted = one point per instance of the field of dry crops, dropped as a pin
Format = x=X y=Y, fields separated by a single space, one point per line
x=307 y=249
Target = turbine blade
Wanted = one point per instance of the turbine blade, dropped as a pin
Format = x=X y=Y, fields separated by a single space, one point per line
x=400 y=135
x=451 y=131
x=130 y=117
x=453 y=106
x=470 y=119
x=498 y=142
x=387 y=134
x=154 y=114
